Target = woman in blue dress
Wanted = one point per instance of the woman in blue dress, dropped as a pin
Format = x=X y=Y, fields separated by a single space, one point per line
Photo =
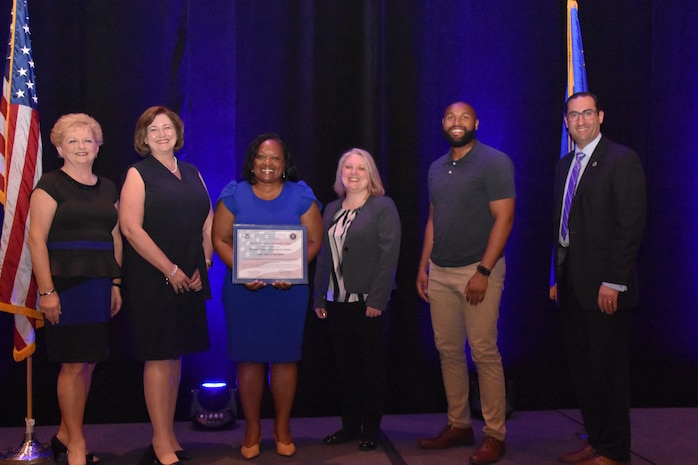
x=265 y=322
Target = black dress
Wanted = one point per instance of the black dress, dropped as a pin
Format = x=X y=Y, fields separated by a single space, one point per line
x=164 y=325
x=81 y=255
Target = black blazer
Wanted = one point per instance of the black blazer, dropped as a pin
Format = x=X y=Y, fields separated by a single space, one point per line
x=370 y=254
x=606 y=222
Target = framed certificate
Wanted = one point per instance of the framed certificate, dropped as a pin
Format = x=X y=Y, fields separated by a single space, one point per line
x=274 y=252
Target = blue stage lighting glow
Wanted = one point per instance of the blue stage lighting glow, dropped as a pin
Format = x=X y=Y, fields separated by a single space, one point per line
x=213 y=385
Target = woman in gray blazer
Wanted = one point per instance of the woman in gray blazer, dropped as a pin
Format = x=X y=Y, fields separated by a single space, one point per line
x=354 y=277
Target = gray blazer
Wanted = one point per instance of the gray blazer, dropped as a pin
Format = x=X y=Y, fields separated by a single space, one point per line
x=370 y=254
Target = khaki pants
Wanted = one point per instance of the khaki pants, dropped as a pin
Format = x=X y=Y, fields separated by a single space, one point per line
x=454 y=321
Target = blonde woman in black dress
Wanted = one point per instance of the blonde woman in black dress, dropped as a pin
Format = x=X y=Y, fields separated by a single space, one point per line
x=76 y=251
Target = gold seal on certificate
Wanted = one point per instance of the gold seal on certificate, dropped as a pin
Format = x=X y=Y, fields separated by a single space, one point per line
x=274 y=252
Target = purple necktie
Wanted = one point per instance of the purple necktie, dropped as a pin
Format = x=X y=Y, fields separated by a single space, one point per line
x=571 y=187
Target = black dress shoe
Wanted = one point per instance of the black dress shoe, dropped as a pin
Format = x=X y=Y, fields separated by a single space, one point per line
x=367 y=445
x=183 y=454
x=150 y=458
x=340 y=437
x=58 y=448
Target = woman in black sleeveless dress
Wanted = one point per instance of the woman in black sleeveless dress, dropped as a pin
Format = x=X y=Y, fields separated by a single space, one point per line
x=165 y=215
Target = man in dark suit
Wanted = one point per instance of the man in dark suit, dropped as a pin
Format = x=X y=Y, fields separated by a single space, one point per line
x=600 y=205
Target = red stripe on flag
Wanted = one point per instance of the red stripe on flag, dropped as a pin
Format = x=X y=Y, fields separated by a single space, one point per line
x=3 y=111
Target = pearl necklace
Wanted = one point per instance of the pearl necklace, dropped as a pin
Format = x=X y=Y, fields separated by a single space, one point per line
x=175 y=168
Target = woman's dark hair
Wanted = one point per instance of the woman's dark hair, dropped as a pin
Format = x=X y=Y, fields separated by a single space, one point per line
x=290 y=171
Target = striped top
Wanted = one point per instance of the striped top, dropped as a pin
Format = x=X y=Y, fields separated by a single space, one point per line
x=336 y=292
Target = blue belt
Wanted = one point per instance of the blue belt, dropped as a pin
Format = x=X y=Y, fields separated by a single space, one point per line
x=93 y=245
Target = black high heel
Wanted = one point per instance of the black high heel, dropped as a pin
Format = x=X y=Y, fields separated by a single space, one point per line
x=150 y=458
x=58 y=448
x=182 y=454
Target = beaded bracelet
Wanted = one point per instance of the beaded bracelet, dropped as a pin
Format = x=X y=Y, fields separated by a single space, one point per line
x=174 y=272
x=43 y=294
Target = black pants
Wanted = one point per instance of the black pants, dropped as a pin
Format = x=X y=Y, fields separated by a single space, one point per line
x=597 y=347
x=359 y=351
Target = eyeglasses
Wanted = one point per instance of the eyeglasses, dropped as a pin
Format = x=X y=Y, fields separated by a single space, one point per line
x=587 y=114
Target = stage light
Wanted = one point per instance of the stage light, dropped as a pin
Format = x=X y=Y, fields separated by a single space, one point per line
x=213 y=405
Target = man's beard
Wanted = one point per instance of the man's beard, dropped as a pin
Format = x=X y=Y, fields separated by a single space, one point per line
x=465 y=139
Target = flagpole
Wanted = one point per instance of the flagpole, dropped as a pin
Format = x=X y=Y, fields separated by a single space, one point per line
x=30 y=451
x=570 y=59
x=30 y=388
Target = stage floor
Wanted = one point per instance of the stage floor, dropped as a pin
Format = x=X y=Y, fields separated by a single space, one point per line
x=661 y=436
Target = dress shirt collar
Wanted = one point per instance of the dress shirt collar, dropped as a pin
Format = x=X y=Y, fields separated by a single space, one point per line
x=589 y=149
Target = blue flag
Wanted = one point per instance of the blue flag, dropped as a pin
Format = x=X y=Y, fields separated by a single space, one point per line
x=576 y=81
x=576 y=70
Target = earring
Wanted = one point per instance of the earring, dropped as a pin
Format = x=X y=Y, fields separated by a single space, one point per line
x=284 y=175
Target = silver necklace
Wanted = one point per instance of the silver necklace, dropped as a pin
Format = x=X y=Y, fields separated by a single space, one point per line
x=175 y=168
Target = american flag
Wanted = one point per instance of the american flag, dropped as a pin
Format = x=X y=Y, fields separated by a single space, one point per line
x=20 y=169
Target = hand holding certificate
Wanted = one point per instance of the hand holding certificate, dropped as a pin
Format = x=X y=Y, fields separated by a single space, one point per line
x=269 y=253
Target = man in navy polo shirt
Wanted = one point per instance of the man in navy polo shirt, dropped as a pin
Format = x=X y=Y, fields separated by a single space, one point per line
x=461 y=274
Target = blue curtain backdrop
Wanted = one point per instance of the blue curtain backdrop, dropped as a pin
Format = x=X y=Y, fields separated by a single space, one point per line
x=377 y=74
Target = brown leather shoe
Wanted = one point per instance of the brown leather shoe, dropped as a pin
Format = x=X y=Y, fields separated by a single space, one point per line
x=448 y=437
x=572 y=458
x=601 y=460
x=489 y=451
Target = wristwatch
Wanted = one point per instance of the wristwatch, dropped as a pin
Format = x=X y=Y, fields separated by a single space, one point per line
x=484 y=271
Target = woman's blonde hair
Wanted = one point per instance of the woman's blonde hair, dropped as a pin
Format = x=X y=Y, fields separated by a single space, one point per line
x=375 y=185
x=72 y=120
